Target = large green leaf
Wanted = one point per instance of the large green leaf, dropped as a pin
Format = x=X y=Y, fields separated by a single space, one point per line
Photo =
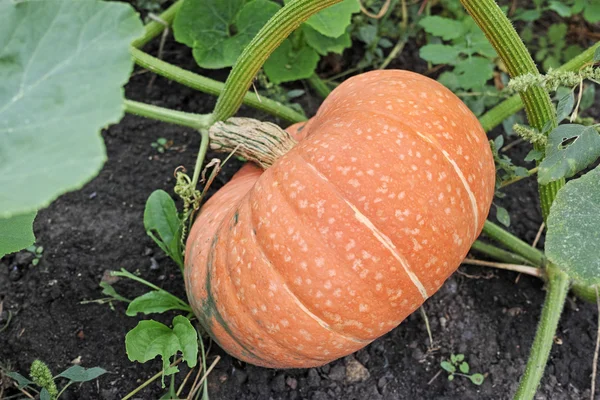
x=474 y=72
x=325 y=44
x=156 y=301
x=62 y=67
x=570 y=149
x=574 y=228
x=16 y=233
x=150 y=339
x=445 y=28
x=288 y=64
x=439 y=53
x=334 y=20
x=218 y=30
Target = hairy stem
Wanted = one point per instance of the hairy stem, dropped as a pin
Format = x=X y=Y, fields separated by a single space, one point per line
x=154 y=28
x=275 y=31
x=514 y=244
x=210 y=86
x=196 y=121
x=558 y=287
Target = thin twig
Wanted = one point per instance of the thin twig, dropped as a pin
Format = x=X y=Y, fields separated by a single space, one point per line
x=512 y=144
x=524 y=269
x=197 y=387
x=595 y=365
x=161 y=45
x=424 y=315
x=184 y=382
x=538 y=235
x=516 y=179
x=579 y=96
x=434 y=377
x=23 y=390
x=149 y=381
x=381 y=12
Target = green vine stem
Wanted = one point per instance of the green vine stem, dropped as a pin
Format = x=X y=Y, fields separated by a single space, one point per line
x=518 y=61
x=211 y=86
x=154 y=28
x=275 y=31
x=196 y=121
x=319 y=85
x=513 y=243
x=500 y=254
x=558 y=287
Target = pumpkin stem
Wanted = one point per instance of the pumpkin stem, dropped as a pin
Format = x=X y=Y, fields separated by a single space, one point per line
x=261 y=142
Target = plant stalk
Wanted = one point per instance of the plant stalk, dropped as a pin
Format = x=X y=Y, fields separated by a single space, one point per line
x=500 y=254
x=154 y=28
x=558 y=287
x=514 y=244
x=196 y=121
x=272 y=34
x=211 y=86
x=319 y=85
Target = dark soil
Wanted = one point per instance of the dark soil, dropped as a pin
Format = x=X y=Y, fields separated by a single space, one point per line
x=490 y=316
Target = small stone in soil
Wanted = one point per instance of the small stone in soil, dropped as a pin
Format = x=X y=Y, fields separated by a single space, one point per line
x=337 y=373
x=153 y=264
x=314 y=379
x=24 y=258
x=278 y=383
x=356 y=372
x=15 y=274
x=291 y=382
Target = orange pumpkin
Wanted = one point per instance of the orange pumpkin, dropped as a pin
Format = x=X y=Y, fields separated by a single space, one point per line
x=350 y=231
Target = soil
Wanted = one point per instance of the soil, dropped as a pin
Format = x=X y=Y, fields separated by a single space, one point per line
x=489 y=316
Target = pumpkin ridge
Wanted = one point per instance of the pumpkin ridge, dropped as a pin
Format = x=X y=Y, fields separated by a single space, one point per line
x=447 y=157
x=297 y=301
x=379 y=235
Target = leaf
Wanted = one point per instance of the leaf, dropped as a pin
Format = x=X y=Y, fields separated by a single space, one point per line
x=108 y=290
x=218 y=30
x=464 y=368
x=334 y=20
x=588 y=97
x=474 y=72
x=286 y=64
x=534 y=155
x=597 y=54
x=560 y=8
x=45 y=394
x=157 y=301
x=448 y=366
x=565 y=106
x=77 y=373
x=460 y=357
x=528 y=15
x=161 y=218
x=450 y=378
x=325 y=44
x=574 y=229
x=565 y=160
x=477 y=379
x=20 y=379
x=591 y=12
x=150 y=339
x=439 y=53
x=62 y=66
x=16 y=233
x=445 y=28
x=557 y=32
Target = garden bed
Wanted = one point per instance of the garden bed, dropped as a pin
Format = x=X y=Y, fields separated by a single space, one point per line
x=489 y=316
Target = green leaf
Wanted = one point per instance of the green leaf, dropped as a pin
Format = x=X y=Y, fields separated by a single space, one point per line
x=565 y=106
x=560 y=8
x=557 y=32
x=77 y=373
x=591 y=12
x=150 y=339
x=448 y=366
x=445 y=28
x=597 y=54
x=477 y=379
x=450 y=378
x=588 y=97
x=439 y=53
x=325 y=44
x=62 y=66
x=502 y=216
x=157 y=301
x=474 y=72
x=287 y=64
x=45 y=394
x=570 y=149
x=108 y=290
x=16 y=233
x=464 y=368
x=161 y=218
x=334 y=20
x=528 y=15
x=20 y=379
x=574 y=229
x=218 y=30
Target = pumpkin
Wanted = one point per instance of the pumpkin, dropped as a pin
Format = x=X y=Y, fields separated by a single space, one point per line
x=348 y=231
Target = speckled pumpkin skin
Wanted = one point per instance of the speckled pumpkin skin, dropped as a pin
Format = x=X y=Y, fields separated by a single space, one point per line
x=349 y=232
